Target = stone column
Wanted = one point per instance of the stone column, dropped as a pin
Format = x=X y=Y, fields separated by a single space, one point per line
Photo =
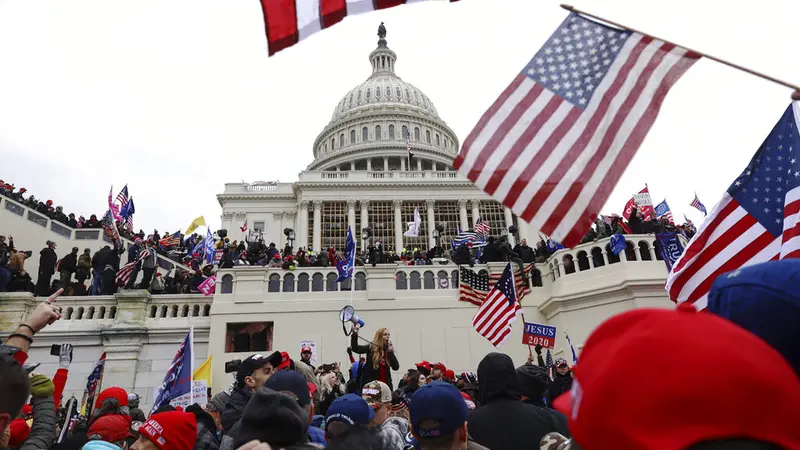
x=463 y=222
x=403 y=163
x=351 y=218
x=352 y=165
x=430 y=203
x=369 y=163
x=290 y=221
x=385 y=163
x=364 y=221
x=317 y=226
x=476 y=212
x=419 y=165
x=302 y=224
x=509 y=221
x=227 y=221
x=398 y=225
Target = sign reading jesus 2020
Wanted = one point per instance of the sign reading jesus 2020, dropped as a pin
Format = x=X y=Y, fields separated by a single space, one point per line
x=537 y=334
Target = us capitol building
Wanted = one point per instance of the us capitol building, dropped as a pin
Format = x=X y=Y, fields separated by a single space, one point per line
x=362 y=177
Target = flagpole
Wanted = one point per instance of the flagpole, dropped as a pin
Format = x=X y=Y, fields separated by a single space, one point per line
x=191 y=374
x=704 y=55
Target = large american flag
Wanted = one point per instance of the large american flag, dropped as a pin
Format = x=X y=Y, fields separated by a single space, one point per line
x=124 y=273
x=757 y=220
x=170 y=240
x=482 y=227
x=556 y=142
x=288 y=22
x=473 y=287
x=499 y=310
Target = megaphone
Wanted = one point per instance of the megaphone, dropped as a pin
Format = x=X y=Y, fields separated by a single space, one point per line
x=348 y=314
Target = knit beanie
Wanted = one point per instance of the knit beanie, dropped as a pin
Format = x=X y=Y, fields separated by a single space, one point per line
x=19 y=431
x=99 y=445
x=274 y=418
x=41 y=386
x=172 y=430
x=113 y=392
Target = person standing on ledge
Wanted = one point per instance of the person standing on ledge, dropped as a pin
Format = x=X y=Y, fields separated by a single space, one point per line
x=381 y=359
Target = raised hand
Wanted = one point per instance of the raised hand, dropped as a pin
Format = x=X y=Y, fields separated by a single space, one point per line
x=45 y=314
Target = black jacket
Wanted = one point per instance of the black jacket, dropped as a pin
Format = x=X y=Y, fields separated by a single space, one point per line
x=69 y=263
x=232 y=414
x=503 y=421
x=526 y=254
x=47 y=261
x=369 y=372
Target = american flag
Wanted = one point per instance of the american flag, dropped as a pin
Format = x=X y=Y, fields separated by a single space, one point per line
x=467 y=238
x=499 y=310
x=662 y=210
x=243 y=227
x=757 y=220
x=555 y=143
x=549 y=363
x=122 y=197
x=92 y=382
x=473 y=287
x=124 y=273
x=482 y=227
x=408 y=147
x=699 y=206
x=171 y=240
x=288 y=22
x=110 y=227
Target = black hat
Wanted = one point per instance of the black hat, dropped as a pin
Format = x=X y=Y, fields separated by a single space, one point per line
x=273 y=418
x=250 y=365
x=290 y=381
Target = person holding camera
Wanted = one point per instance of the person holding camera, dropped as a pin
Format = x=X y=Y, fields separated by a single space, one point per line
x=381 y=359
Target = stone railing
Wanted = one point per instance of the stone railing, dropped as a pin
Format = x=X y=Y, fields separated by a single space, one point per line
x=371 y=175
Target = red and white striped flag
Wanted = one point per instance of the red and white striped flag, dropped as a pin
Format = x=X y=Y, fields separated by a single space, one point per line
x=124 y=273
x=556 y=142
x=757 y=220
x=498 y=311
x=288 y=22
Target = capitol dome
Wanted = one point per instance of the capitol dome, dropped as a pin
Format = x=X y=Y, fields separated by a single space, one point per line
x=374 y=123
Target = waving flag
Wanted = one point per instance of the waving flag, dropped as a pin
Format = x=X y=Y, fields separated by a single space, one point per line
x=199 y=250
x=209 y=250
x=198 y=222
x=243 y=227
x=699 y=206
x=178 y=381
x=110 y=227
x=346 y=265
x=499 y=310
x=112 y=206
x=127 y=211
x=414 y=227
x=288 y=22
x=556 y=142
x=170 y=240
x=757 y=220
x=122 y=197
x=574 y=355
x=124 y=273
x=662 y=210
x=482 y=227
x=208 y=286
x=93 y=383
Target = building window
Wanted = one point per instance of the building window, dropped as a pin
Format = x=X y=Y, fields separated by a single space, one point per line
x=446 y=143
x=421 y=241
x=446 y=214
x=405 y=132
x=369 y=92
x=352 y=136
x=248 y=337
x=427 y=136
x=416 y=133
x=325 y=146
x=388 y=92
x=408 y=95
x=381 y=220
x=437 y=141
x=358 y=96
x=399 y=96
x=493 y=212
x=341 y=140
x=364 y=134
x=378 y=132
x=391 y=132
x=258 y=226
x=333 y=143
x=334 y=225
x=377 y=92
x=310 y=231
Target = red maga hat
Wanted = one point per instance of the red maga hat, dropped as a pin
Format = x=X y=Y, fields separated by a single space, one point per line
x=667 y=400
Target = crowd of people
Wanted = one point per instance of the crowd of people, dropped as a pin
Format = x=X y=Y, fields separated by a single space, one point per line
x=647 y=379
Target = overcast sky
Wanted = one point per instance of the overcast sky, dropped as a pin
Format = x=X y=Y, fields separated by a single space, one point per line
x=176 y=98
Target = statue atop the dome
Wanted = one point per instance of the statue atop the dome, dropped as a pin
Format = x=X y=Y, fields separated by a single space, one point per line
x=381 y=31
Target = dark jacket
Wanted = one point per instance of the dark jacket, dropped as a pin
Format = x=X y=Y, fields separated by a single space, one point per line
x=206 y=429
x=232 y=415
x=47 y=261
x=503 y=421
x=43 y=430
x=526 y=254
x=559 y=385
x=369 y=372
x=69 y=263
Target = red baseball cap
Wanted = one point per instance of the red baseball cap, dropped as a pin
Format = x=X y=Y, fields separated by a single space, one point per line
x=449 y=374
x=424 y=367
x=305 y=349
x=111 y=428
x=113 y=392
x=665 y=401
x=439 y=366
x=171 y=430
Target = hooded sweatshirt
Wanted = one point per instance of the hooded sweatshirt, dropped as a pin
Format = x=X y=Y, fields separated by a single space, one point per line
x=503 y=421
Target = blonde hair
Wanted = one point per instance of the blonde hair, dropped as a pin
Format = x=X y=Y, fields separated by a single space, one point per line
x=378 y=355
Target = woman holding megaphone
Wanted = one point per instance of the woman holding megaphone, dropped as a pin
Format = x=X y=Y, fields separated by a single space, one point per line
x=381 y=359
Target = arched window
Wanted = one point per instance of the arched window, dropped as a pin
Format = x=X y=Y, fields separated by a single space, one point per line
x=288 y=282
x=364 y=134
x=427 y=136
x=405 y=132
x=388 y=92
x=341 y=140
x=391 y=132
x=274 y=284
x=317 y=281
x=331 y=284
x=429 y=280
x=401 y=282
x=227 y=284
x=352 y=136
x=333 y=143
x=416 y=133
x=377 y=92
x=369 y=91
x=583 y=261
x=378 y=132
x=302 y=282
x=361 y=281
x=644 y=251
x=416 y=280
x=597 y=257
x=437 y=141
x=398 y=93
x=408 y=95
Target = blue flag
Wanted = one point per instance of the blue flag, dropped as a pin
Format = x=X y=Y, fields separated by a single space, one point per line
x=618 y=244
x=574 y=355
x=127 y=210
x=209 y=246
x=178 y=380
x=345 y=266
x=198 y=250
x=671 y=248
x=553 y=246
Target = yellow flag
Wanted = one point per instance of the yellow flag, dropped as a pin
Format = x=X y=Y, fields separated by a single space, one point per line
x=199 y=222
x=204 y=372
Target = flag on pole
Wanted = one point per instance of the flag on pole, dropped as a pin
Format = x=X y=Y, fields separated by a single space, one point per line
x=68 y=419
x=574 y=355
x=178 y=380
x=555 y=143
x=208 y=286
x=244 y=227
x=549 y=363
x=122 y=197
x=126 y=212
x=112 y=207
x=757 y=220
x=93 y=383
x=199 y=222
x=499 y=310
x=209 y=249
x=473 y=287
x=644 y=204
x=170 y=240
x=346 y=265
x=662 y=210
x=110 y=227
x=414 y=227
x=699 y=206
x=482 y=227
x=125 y=272
x=203 y=373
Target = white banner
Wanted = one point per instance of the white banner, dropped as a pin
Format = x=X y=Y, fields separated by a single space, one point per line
x=313 y=345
